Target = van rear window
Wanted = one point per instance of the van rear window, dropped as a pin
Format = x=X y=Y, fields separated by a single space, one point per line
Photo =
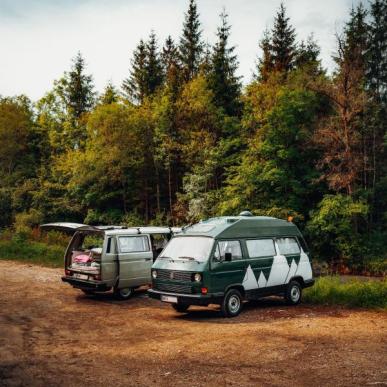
x=260 y=248
x=288 y=246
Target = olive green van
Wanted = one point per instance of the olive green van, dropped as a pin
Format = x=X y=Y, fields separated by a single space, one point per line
x=103 y=258
x=227 y=260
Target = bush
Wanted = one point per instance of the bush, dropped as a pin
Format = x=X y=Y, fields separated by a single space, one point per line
x=354 y=293
x=34 y=252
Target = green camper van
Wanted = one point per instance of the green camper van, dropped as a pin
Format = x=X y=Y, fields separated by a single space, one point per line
x=227 y=260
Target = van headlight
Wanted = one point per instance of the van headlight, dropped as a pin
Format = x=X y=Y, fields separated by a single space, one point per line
x=154 y=274
x=197 y=277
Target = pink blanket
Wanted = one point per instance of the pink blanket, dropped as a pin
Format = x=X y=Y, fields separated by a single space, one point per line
x=82 y=258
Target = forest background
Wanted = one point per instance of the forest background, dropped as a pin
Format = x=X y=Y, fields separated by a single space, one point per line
x=182 y=140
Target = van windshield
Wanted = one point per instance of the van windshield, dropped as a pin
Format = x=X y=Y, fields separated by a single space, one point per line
x=188 y=248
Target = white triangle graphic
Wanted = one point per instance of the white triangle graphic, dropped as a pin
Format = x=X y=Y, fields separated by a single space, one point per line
x=292 y=271
x=250 y=282
x=262 y=280
x=279 y=271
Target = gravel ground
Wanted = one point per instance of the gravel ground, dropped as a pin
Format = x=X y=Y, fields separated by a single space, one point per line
x=52 y=334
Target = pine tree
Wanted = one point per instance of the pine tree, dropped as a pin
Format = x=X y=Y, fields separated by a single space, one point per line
x=191 y=46
x=308 y=55
x=265 y=63
x=377 y=54
x=79 y=89
x=283 y=42
x=109 y=95
x=153 y=66
x=171 y=66
x=135 y=87
x=222 y=79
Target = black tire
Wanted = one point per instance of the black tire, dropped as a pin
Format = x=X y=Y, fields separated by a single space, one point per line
x=181 y=308
x=88 y=292
x=232 y=303
x=123 y=294
x=293 y=293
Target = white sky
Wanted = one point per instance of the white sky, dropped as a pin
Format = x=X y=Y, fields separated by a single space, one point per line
x=39 y=37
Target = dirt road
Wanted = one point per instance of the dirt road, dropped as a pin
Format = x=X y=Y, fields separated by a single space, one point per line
x=51 y=334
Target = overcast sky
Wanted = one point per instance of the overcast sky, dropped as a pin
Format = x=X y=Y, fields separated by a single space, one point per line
x=39 y=37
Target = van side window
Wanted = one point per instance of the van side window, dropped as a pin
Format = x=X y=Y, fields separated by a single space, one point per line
x=111 y=246
x=133 y=244
x=260 y=248
x=288 y=246
x=233 y=247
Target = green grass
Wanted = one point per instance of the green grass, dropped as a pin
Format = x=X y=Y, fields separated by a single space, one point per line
x=354 y=293
x=34 y=252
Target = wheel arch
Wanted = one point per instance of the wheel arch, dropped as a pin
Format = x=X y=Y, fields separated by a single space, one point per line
x=238 y=287
x=299 y=279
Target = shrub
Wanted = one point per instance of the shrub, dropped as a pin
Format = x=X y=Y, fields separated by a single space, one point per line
x=353 y=293
x=34 y=252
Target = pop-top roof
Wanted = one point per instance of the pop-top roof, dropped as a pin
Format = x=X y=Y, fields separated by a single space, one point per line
x=242 y=227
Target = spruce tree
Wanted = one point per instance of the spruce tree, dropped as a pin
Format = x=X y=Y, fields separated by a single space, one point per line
x=79 y=89
x=265 y=63
x=283 y=42
x=222 y=79
x=153 y=66
x=191 y=46
x=171 y=66
x=308 y=55
x=135 y=87
x=377 y=53
x=109 y=95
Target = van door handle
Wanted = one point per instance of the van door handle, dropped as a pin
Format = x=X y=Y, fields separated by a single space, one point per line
x=148 y=259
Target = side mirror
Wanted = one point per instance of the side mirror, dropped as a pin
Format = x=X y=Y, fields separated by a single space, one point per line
x=228 y=257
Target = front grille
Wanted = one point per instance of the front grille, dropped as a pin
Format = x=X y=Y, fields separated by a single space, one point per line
x=173 y=288
x=176 y=275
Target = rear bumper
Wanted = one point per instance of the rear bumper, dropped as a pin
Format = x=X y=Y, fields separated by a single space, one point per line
x=187 y=299
x=308 y=283
x=86 y=285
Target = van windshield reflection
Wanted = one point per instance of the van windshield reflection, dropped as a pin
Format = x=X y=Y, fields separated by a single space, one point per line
x=188 y=248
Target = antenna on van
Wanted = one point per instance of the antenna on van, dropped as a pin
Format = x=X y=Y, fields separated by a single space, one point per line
x=138 y=230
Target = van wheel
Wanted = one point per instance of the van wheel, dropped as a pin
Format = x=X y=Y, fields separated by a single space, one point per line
x=293 y=293
x=181 y=308
x=123 y=294
x=232 y=303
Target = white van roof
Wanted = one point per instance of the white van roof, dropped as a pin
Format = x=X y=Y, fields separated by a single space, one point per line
x=109 y=230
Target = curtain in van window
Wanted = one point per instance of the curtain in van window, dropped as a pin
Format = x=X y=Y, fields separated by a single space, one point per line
x=133 y=244
x=288 y=246
x=260 y=248
x=233 y=247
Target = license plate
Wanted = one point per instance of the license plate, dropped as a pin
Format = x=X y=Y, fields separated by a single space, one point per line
x=81 y=276
x=169 y=299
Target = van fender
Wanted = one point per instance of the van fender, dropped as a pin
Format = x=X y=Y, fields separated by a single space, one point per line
x=236 y=286
x=297 y=278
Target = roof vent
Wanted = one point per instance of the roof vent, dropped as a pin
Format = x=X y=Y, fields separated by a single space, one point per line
x=246 y=213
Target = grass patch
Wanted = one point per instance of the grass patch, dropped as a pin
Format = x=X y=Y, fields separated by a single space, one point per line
x=354 y=293
x=31 y=251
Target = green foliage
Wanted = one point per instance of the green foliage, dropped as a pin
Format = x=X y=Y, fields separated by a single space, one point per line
x=335 y=227
x=32 y=252
x=353 y=293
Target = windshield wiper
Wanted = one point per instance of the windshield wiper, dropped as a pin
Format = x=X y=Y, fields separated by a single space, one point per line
x=190 y=259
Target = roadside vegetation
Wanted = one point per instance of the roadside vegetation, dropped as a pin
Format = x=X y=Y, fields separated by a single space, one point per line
x=32 y=247
x=369 y=293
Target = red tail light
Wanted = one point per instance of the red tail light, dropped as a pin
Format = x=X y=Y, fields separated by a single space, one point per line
x=204 y=290
x=68 y=272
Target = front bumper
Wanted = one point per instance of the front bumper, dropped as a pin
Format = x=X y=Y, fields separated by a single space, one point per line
x=188 y=299
x=86 y=285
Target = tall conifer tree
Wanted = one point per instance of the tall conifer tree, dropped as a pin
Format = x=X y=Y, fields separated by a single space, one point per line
x=191 y=46
x=153 y=66
x=223 y=79
x=79 y=88
x=283 y=42
x=135 y=87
